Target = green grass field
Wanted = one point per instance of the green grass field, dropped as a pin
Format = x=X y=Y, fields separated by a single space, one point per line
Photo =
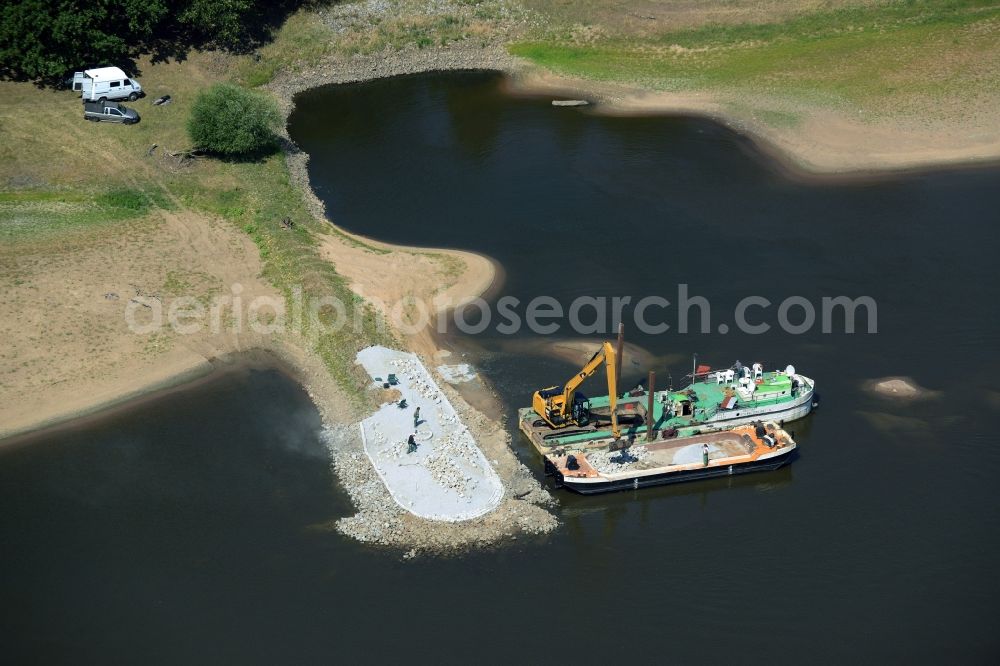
x=888 y=58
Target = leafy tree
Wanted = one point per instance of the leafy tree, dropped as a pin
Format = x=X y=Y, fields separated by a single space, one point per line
x=47 y=39
x=230 y=120
x=217 y=21
x=42 y=39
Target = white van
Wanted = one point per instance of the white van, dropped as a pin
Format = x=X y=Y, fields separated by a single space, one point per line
x=106 y=83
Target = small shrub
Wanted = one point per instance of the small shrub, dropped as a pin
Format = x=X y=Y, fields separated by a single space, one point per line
x=230 y=120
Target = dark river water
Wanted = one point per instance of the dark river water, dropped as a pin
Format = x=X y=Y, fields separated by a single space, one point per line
x=193 y=527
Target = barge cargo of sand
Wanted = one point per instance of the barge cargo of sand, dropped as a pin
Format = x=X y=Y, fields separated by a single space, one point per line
x=739 y=450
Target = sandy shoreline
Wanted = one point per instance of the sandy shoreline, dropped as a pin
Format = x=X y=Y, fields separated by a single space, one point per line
x=79 y=293
x=174 y=378
x=824 y=146
x=121 y=395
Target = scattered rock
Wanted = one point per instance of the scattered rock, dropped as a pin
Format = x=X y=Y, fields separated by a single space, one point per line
x=523 y=484
x=608 y=462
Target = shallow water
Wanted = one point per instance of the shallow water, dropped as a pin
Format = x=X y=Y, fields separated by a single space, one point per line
x=186 y=529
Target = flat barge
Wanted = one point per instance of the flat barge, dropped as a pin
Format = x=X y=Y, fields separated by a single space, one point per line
x=739 y=450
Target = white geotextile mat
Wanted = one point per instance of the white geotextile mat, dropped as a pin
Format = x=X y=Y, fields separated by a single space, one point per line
x=448 y=477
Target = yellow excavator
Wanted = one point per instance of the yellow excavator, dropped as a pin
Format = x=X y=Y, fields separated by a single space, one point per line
x=560 y=406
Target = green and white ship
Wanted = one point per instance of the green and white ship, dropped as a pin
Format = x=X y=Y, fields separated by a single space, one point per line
x=714 y=400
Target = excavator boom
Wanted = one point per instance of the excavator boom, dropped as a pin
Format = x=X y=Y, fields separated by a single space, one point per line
x=557 y=407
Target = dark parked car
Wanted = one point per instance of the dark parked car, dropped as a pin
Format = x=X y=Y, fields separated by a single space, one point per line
x=112 y=112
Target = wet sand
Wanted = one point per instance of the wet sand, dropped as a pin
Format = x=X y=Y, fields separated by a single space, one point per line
x=825 y=144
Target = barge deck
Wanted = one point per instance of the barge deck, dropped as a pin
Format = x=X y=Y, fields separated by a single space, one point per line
x=739 y=450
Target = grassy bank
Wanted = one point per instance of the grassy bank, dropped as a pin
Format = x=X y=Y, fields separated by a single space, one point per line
x=365 y=27
x=937 y=58
x=256 y=197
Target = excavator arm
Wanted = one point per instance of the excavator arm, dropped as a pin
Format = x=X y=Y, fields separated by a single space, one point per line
x=606 y=354
x=612 y=370
x=557 y=409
